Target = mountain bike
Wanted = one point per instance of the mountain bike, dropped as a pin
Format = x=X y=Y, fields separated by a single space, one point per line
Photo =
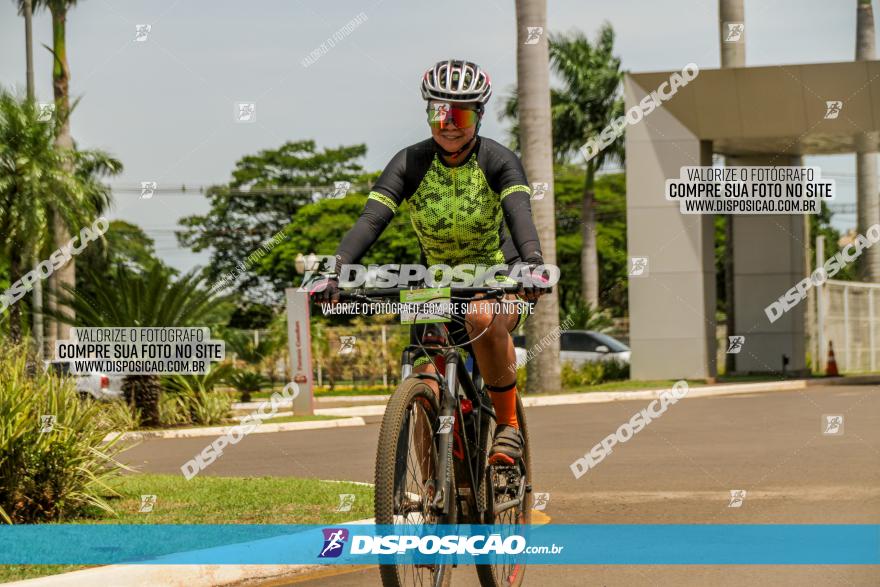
x=432 y=457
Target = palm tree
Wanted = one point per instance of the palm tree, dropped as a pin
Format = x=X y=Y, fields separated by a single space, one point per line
x=866 y=156
x=26 y=10
x=150 y=299
x=733 y=54
x=533 y=81
x=35 y=183
x=61 y=90
x=588 y=101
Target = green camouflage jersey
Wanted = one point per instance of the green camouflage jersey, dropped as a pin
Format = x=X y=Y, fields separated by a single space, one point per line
x=476 y=212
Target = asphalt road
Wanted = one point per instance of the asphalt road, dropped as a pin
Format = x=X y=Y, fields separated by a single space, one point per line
x=679 y=469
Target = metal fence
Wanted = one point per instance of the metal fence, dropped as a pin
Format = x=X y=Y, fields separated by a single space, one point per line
x=848 y=318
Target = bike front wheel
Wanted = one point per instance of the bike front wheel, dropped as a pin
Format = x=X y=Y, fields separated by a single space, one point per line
x=406 y=476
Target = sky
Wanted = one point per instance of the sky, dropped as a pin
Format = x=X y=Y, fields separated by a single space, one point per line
x=165 y=106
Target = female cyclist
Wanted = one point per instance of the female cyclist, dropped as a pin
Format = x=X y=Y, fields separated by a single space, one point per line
x=469 y=203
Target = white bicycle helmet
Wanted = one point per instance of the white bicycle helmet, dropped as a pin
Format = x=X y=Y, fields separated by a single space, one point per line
x=458 y=81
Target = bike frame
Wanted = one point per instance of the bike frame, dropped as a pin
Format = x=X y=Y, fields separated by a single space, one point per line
x=456 y=383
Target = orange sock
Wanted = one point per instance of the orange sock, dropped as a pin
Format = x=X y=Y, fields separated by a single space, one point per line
x=505 y=407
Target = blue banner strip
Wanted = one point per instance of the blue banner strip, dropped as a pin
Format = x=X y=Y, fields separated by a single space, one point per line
x=564 y=544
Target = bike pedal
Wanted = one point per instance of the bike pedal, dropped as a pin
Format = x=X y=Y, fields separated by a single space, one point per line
x=529 y=488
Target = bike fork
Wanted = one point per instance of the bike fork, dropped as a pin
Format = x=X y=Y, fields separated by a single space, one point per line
x=443 y=500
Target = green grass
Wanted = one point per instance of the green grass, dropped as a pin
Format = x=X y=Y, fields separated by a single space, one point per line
x=234 y=500
x=628 y=385
x=625 y=384
x=217 y=500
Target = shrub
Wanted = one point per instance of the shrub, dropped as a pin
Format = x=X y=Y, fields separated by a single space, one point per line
x=246 y=382
x=206 y=408
x=196 y=398
x=593 y=373
x=48 y=476
x=115 y=416
x=172 y=412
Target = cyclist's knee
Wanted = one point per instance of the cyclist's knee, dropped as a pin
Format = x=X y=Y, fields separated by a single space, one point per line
x=481 y=316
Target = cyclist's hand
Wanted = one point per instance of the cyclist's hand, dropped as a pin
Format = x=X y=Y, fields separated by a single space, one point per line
x=325 y=289
x=535 y=284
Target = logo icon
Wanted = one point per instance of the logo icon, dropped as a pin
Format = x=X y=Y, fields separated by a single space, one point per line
x=734 y=32
x=541 y=501
x=735 y=344
x=533 y=35
x=539 y=190
x=737 y=496
x=147 y=503
x=346 y=500
x=46 y=111
x=446 y=423
x=347 y=345
x=340 y=188
x=47 y=423
x=141 y=32
x=832 y=109
x=638 y=266
x=148 y=188
x=245 y=112
x=832 y=424
x=439 y=111
x=312 y=266
x=334 y=540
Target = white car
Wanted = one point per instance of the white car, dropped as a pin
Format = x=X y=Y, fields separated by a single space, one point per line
x=580 y=346
x=95 y=385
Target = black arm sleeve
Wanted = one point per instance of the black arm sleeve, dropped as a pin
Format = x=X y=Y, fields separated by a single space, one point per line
x=518 y=215
x=507 y=177
x=388 y=192
x=366 y=231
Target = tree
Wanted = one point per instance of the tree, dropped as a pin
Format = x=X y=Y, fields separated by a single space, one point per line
x=150 y=299
x=319 y=227
x=35 y=184
x=61 y=90
x=587 y=102
x=124 y=244
x=266 y=191
x=610 y=234
x=533 y=81
x=732 y=55
x=866 y=155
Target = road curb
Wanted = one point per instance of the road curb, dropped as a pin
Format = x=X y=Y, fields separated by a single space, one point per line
x=221 y=430
x=694 y=392
x=148 y=575
x=329 y=399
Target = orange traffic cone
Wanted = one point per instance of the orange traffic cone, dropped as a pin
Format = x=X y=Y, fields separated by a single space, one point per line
x=831 y=367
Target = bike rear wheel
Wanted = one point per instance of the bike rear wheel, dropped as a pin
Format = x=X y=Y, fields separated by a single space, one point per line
x=501 y=485
x=406 y=476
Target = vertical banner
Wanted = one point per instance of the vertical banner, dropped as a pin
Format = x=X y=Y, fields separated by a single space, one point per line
x=299 y=336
